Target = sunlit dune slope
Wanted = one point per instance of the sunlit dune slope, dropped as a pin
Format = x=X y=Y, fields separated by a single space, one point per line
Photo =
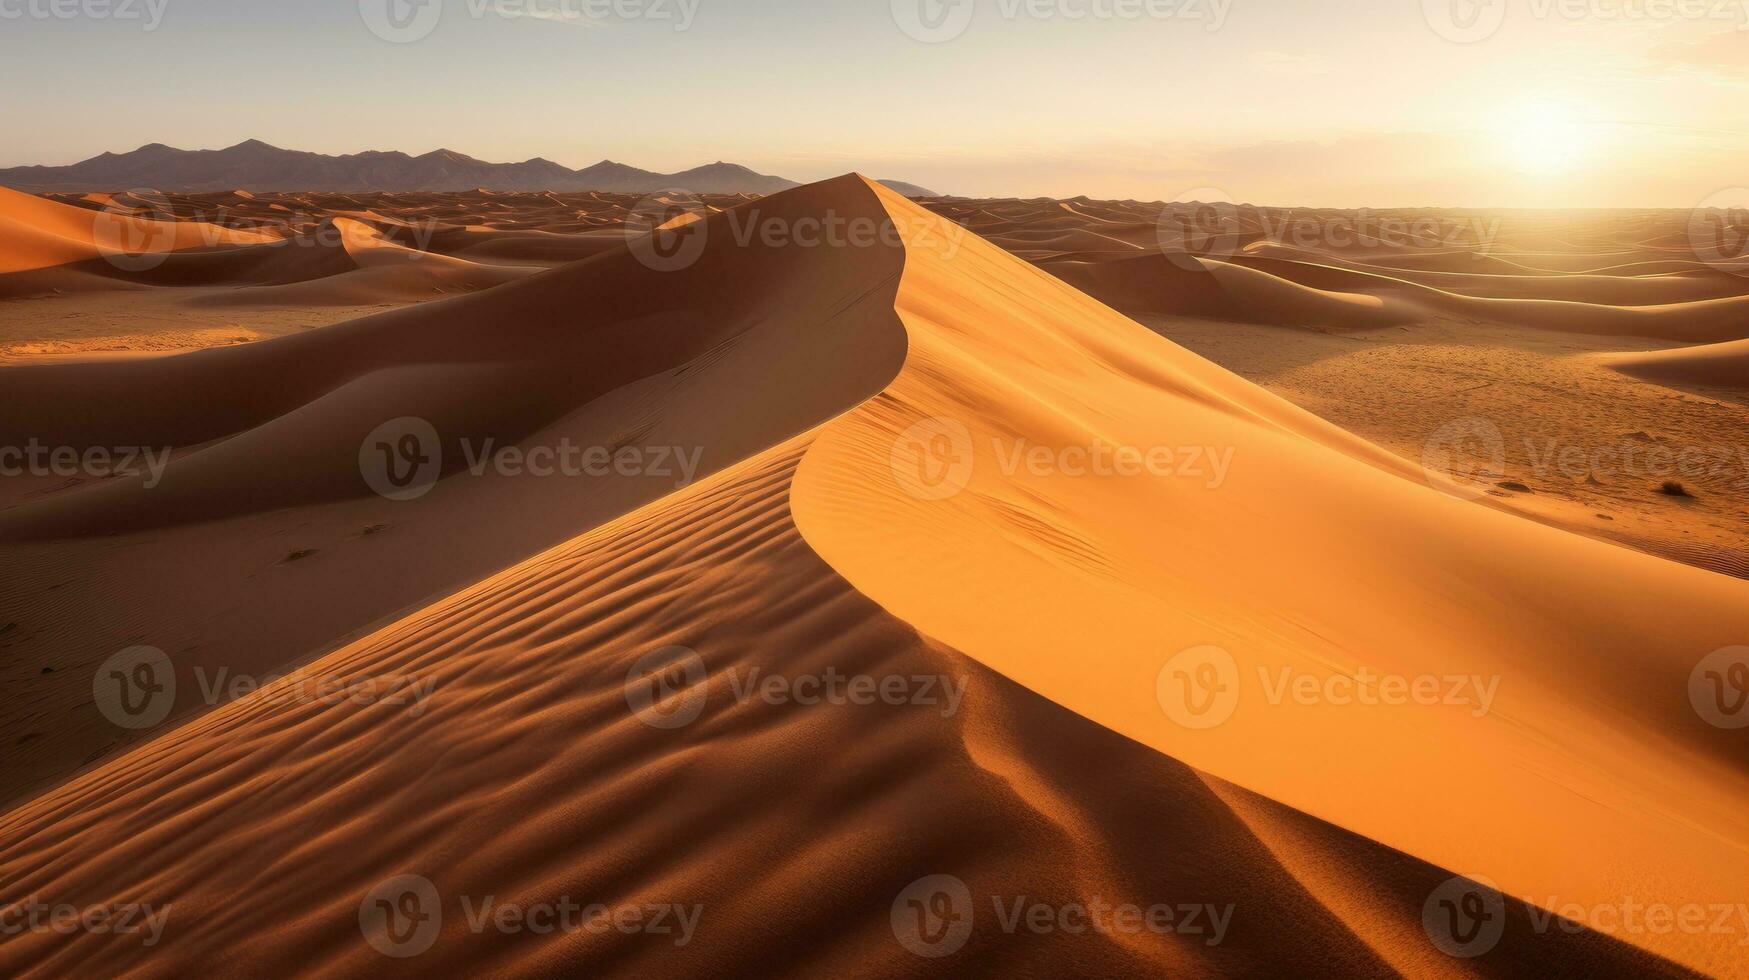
x=1311 y=554
x=36 y=233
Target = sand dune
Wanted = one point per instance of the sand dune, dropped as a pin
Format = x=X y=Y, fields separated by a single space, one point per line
x=1617 y=275
x=1725 y=365
x=604 y=354
x=527 y=729
x=820 y=544
x=1299 y=590
x=36 y=233
x=227 y=265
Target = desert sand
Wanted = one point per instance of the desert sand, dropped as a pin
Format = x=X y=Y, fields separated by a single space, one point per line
x=858 y=509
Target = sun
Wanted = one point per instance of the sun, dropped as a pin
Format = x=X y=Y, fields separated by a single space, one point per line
x=1545 y=135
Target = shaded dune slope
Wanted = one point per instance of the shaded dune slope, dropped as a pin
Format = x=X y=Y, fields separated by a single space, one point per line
x=608 y=354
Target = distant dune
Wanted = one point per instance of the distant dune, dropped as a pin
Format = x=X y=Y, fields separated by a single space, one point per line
x=41 y=234
x=908 y=190
x=1637 y=276
x=1725 y=364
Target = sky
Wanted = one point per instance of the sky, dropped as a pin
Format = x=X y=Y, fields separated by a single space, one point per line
x=1320 y=103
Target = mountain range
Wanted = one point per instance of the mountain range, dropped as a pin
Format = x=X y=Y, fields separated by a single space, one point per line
x=256 y=166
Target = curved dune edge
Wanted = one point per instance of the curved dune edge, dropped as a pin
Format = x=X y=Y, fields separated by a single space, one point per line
x=1312 y=555
x=1723 y=365
x=36 y=233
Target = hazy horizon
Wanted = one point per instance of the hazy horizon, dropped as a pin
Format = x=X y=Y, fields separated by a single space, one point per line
x=1592 y=104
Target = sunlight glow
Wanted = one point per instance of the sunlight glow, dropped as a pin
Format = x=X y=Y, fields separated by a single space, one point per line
x=1546 y=135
